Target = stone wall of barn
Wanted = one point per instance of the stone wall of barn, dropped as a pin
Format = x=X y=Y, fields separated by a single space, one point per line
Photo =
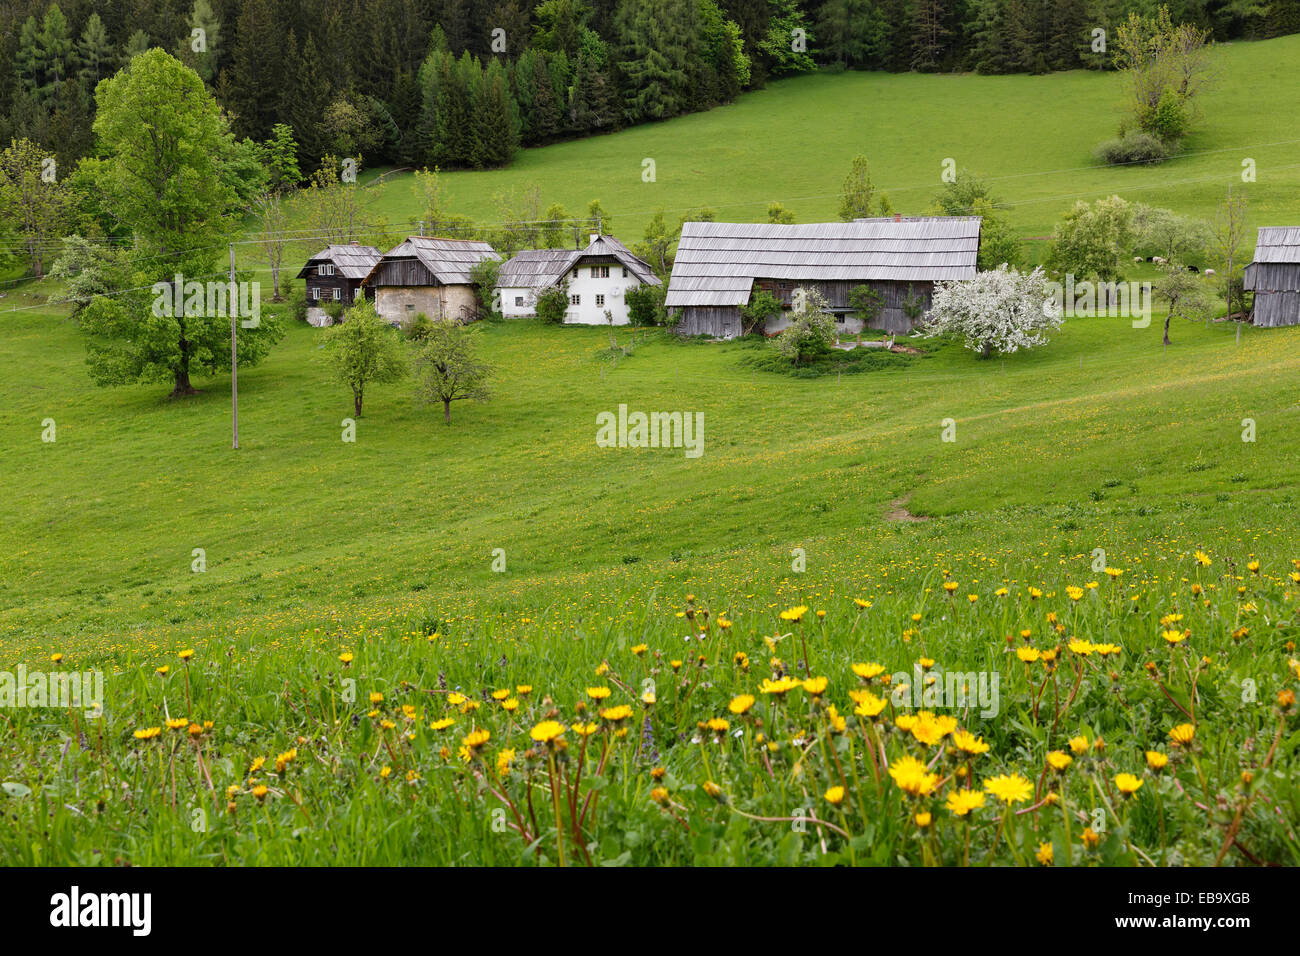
x=397 y=304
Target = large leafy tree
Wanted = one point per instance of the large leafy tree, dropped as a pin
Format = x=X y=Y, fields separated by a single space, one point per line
x=1092 y=239
x=168 y=176
x=968 y=195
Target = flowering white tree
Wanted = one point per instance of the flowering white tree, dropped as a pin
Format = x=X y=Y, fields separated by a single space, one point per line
x=997 y=311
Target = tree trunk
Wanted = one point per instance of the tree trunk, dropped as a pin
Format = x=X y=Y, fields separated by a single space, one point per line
x=182 y=386
x=1167 y=342
x=986 y=350
x=446 y=410
x=356 y=401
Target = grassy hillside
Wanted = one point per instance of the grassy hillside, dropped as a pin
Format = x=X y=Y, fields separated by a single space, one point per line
x=1032 y=135
x=102 y=523
x=642 y=693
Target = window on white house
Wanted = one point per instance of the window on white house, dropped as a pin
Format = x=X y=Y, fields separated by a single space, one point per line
x=600 y=301
x=575 y=273
x=519 y=300
x=600 y=272
x=315 y=292
x=575 y=300
x=622 y=271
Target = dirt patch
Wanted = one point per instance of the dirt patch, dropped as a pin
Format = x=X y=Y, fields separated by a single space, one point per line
x=898 y=511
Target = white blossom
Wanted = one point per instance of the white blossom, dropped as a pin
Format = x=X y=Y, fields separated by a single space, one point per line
x=999 y=311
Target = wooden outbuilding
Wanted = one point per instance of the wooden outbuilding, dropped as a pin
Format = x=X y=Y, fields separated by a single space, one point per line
x=334 y=275
x=428 y=275
x=1274 y=277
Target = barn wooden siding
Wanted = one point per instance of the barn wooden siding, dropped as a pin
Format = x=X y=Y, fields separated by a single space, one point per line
x=719 y=322
x=402 y=272
x=1274 y=277
x=893 y=295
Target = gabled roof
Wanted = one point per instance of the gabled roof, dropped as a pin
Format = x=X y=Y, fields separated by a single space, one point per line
x=448 y=259
x=609 y=246
x=540 y=268
x=352 y=261
x=717 y=262
x=533 y=268
x=1278 y=244
x=1276 y=266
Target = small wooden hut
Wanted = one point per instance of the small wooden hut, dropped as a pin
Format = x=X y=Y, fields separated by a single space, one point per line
x=1274 y=277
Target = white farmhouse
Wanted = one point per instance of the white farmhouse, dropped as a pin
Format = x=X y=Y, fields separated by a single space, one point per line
x=595 y=279
x=526 y=275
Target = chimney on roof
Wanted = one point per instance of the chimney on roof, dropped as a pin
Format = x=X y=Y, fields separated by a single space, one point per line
x=595 y=236
x=898 y=217
x=355 y=243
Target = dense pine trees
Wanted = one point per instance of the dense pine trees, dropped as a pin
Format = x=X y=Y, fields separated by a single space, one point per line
x=462 y=83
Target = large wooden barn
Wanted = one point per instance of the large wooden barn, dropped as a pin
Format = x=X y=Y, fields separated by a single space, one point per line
x=334 y=275
x=1274 y=277
x=719 y=265
x=424 y=274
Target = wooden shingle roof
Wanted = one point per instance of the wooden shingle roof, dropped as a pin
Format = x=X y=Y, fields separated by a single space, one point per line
x=449 y=260
x=539 y=268
x=351 y=261
x=1278 y=244
x=717 y=262
x=533 y=268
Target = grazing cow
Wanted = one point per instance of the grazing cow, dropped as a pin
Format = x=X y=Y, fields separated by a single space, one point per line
x=1193 y=269
x=1160 y=260
x=1210 y=272
x=1138 y=259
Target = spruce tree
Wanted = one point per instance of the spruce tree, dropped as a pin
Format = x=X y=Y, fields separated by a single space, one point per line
x=497 y=118
x=258 y=70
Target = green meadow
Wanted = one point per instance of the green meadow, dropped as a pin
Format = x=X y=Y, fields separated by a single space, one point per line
x=792 y=142
x=1105 y=524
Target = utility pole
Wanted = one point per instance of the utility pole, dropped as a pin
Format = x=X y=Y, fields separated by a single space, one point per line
x=234 y=354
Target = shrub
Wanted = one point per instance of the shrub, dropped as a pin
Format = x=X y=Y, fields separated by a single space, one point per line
x=811 y=332
x=417 y=327
x=645 y=305
x=1133 y=147
x=552 y=305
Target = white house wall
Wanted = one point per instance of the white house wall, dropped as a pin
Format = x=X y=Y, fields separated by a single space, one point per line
x=586 y=288
x=512 y=311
